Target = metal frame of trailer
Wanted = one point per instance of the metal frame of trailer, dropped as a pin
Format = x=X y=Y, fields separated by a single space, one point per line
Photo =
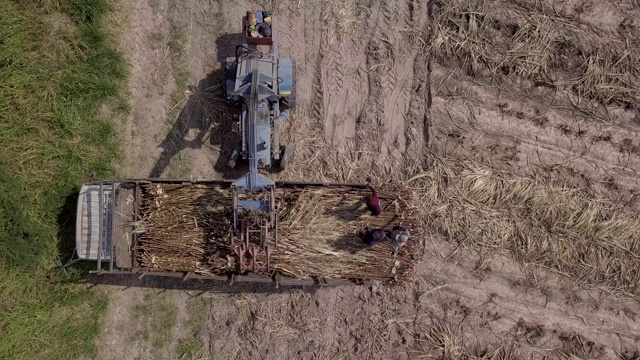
x=109 y=223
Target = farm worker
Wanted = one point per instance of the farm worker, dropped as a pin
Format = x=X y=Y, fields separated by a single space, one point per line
x=399 y=237
x=264 y=29
x=372 y=201
x=374 y=236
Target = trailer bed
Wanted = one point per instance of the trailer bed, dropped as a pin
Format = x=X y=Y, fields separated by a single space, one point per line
x=178 y=228
x=123 y=231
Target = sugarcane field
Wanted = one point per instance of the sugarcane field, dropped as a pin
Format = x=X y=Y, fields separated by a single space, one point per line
x=321 y=179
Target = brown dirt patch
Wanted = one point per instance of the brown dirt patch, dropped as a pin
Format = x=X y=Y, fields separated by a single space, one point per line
x=365 y=107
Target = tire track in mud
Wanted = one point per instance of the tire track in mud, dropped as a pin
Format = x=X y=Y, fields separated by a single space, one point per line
x=417 y=112
x=362 y=87
x=308 y=52
x=332 y=77
x=344 y=99
x=343 y=81
x=399 y=121
x=558 y=149
x=386 y=53
x=317 y=95
x=366 y=118
x=299 y=42
x=369 y=124
x=309 y=88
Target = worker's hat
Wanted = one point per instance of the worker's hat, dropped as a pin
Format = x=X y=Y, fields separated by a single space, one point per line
x=399 y=238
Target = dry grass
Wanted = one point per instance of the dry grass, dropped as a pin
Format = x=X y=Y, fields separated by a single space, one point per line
x=515 y=41
x=611 y=77
x=533 y=51
x=554 y=228
x=345 y=19
x=445 y=339
x=442 y=340
x=462 y=34
x=314 y=160
x=536 y=43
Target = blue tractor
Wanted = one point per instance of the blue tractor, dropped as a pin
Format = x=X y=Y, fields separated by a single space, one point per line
x=262 y=85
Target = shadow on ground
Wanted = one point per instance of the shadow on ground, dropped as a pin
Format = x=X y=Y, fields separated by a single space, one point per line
x=199 y=286
x=202 y=119
x=67 y=225
x=350 y=243
x=226 y=46
x=348 y=211
x=205 y=119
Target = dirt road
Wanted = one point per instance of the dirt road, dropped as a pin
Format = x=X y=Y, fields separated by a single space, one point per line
x=376 y=89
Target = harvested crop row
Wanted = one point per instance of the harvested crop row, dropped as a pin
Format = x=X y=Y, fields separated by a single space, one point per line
x=553 y=228
x=538 y=43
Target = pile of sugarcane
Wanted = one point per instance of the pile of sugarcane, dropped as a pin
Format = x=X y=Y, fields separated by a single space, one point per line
x=188 y=228
x=321 y=231
x=185 y=228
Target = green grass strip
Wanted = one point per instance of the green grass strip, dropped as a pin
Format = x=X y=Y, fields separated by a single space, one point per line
x=57 y=69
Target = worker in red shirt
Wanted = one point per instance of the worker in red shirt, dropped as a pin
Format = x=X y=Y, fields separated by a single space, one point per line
x=372 y=201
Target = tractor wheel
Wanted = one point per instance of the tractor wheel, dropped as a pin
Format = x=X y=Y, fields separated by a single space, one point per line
x=228 y=77
x=289 y=102
x=286 y=155
x=234 y=159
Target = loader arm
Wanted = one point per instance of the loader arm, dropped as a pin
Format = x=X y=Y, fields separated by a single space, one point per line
x=252 y=82
x=254 y=221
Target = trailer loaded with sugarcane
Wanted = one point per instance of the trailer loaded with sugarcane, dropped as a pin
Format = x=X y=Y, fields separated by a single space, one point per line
x=251 y=228
x=183 y=228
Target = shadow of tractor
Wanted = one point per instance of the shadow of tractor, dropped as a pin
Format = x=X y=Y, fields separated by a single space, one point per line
x=205 y=119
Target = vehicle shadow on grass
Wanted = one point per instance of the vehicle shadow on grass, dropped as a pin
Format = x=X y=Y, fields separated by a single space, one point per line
x=67 y=225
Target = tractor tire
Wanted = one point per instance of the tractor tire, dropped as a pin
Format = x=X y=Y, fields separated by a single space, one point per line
x=289 y=102
x=286 y=155
x=234 y=159
x=228 y=77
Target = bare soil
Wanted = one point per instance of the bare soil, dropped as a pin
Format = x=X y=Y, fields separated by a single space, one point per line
x=371 y=95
